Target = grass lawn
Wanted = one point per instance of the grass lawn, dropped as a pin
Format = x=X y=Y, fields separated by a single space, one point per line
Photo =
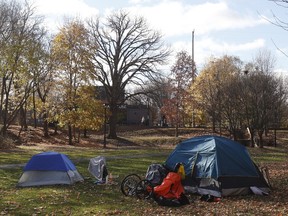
x=87 y=198
x=84 y=198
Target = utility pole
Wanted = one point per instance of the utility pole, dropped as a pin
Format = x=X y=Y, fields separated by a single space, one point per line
x=105 y=122
x=193 y=76
x=193 y=69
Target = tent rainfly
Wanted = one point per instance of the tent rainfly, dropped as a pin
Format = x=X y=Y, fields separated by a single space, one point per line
x=49 y=168
x=217 y=166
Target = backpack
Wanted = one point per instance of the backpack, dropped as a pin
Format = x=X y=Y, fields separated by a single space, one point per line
x=155 y=174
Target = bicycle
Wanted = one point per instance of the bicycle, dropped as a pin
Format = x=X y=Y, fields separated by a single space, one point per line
x=133 y=185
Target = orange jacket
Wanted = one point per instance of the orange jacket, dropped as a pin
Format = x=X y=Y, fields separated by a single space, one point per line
x=171 y=186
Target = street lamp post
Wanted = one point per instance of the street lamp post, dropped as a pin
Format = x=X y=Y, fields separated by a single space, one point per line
x=148 y=114
x=105 y=117
x=275 y=127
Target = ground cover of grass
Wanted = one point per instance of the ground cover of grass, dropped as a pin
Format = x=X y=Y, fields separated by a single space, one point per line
x=87 y=198
x=84 y=198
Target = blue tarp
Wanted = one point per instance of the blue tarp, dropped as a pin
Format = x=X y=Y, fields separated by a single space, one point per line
x=49 y=161
x=212 y=157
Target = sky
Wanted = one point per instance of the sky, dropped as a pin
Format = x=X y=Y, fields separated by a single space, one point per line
x=221 y=27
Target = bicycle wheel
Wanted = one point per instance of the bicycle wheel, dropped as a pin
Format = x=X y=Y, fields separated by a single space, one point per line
x=144 y=189
x=129 y=183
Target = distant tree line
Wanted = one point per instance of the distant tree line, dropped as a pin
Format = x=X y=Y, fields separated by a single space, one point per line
x=54 y=77
x=226 y=94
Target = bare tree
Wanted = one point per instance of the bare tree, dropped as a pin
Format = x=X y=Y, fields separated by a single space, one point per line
x=280 y=22
x=264 y=95
x=128 y=52
x=264 y=61
x=154 y=93
x=259 y=99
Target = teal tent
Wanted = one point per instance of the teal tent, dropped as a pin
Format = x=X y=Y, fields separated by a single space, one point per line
x=217 y=166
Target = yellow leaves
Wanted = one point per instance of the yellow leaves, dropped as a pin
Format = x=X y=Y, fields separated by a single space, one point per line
x=72 y=32
x=70 y=45
x=72 y=52
x=86 y=113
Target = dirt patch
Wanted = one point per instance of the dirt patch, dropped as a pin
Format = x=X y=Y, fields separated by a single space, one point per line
x=128 y=137
x=35 y=136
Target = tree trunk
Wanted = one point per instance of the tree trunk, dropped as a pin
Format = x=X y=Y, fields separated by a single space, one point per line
x=113 y=122
x=2 y=99
x=22 y=116
x=260 y=134
x=220 y=127
x=74 y=133
x=21 y=128
x=45 y=125
x=3 y=130
x=85 y=133
x=55 y=127
x=252 y=137
x=5 y=116
x=233 y=131
x=70 y=135
x=266 y=132
x=78 y=136
x=177 y=120
x=213 y=124
x=7 y=122
x=176 y=130
x=34 y=110
x=275 y=137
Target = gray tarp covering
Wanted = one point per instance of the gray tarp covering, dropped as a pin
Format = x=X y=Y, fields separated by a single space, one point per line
x=97 y=168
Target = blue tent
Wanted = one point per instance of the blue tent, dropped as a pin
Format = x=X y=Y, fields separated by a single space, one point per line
x=217 y=166
x=49 y=168
x=50 y=161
